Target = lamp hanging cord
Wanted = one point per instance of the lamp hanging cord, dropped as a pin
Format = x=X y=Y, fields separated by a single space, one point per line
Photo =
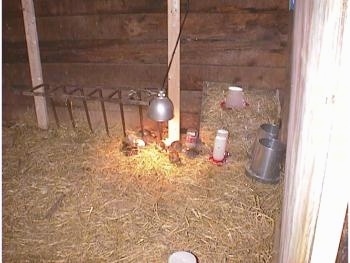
x=176 y=44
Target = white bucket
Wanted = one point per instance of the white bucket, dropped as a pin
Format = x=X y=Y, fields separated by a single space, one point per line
x=182 y=257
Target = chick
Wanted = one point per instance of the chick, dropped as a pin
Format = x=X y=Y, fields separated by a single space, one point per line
x=177 y=146
x=128 y=148
x=161 y=146
x=174 y=157
x=192 y=153
x=149 y=139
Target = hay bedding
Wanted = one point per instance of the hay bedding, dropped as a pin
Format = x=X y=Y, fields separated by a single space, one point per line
x=70 y=196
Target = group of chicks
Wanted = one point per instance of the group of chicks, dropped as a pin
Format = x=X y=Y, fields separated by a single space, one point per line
x=132 y=142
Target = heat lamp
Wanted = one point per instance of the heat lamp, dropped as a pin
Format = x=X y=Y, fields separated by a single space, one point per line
x=161 y=108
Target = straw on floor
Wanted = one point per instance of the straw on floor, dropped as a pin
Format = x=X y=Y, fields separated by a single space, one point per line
x=72 y=196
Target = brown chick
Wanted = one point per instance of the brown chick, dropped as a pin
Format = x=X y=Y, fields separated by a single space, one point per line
x=174 y=157
x=177 y=146
x=192 y=153
x=149 y=139
x=143 y=133
x=161 y=146
x=128 y=149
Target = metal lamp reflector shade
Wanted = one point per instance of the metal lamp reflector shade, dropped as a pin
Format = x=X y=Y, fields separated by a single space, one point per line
x=161 y=108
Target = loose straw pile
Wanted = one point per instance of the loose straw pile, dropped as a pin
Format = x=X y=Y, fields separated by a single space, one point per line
x=74 y=196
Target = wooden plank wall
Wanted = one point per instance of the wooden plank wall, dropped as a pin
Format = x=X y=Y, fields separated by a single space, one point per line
x=124 y=43
x=315 y=186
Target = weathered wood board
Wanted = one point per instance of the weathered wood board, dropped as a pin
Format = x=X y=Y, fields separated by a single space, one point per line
x=67 y=7
x=124 y=43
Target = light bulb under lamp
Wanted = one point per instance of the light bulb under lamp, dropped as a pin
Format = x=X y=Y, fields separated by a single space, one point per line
x=161 y=108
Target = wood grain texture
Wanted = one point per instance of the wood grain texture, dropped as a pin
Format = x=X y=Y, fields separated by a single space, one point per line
x=285 y=93
x=124 y=43
x=343 y=252
x=34 y=61
x=202 y=26
x=148 y=76
x=88 y=7
x=225 y=53
x=315 y=191
x=173 y=78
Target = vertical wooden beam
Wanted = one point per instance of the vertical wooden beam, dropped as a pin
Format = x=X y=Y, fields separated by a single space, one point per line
x=315 y=195
x=34 y=61
x=286 y=91
x=335 y=191
x=174 y=73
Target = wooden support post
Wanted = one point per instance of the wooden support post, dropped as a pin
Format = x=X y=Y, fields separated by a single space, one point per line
x=34 y=61
x=174 y=73
x=317 y=161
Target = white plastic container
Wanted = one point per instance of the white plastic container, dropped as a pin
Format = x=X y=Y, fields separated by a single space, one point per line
x=219 y=147
x=182 y=257
x=234 y=97
x=223 y=133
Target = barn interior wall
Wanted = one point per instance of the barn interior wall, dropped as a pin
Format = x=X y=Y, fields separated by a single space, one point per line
x=124 y=44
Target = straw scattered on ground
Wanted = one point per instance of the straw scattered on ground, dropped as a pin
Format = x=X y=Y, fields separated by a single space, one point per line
x=72 y=196
x=262 y=107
